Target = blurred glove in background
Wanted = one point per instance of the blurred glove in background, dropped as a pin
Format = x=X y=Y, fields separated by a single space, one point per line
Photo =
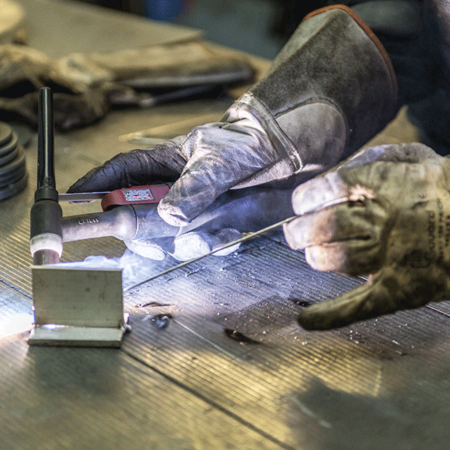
x=86 y=86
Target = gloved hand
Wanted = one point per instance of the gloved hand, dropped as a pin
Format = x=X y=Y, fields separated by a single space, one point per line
x=389 y=218
x=234 y=212
x=300 y=120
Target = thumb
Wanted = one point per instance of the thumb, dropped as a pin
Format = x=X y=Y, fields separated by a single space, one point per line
x=382 y=294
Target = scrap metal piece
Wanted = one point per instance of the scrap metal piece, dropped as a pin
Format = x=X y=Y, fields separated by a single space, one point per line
x=161 y=320
x=77 y=307
x=237 y=336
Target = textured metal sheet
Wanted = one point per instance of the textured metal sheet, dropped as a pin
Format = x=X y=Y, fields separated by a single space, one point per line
x=290 y=388
x=179 y=380
x=306 y=389
x=255 y=292
x=55 y=398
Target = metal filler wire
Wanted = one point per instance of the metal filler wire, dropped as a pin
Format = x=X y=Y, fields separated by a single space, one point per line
x=230 y=244
x=328 y=204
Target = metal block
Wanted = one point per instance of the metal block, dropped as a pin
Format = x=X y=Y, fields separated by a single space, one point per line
x=77 y=307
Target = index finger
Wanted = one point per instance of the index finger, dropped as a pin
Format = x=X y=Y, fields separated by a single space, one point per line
x=319 y=193
x=345 y=185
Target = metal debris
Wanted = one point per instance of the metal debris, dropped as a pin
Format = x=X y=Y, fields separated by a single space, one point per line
x=161 y=320
x=299 y=302
x=233 y=334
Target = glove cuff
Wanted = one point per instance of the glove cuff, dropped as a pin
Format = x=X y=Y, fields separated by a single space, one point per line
x=334 y=59
x=308 y=140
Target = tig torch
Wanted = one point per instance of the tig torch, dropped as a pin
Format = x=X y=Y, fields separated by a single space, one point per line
x=46 y=243
x=130 y=214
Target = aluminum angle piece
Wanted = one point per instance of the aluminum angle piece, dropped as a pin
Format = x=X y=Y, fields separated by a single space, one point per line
x=77 y=307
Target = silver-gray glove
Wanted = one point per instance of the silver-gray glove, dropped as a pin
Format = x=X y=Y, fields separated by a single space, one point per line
x=330 y=89
x=233 y=213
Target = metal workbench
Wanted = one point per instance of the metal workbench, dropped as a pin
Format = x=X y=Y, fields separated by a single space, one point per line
x=380 y=384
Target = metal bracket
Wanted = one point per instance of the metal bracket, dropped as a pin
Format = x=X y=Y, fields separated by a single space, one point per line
x=77 y=307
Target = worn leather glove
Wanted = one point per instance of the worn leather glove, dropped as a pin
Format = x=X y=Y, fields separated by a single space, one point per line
x=389 y=218
x=86 y=86
x=330 y=89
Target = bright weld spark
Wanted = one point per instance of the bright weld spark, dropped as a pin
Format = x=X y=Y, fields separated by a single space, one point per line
x=230 y=244
x=16 y=324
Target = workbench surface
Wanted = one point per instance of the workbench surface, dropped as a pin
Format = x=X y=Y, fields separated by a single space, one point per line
x=193 y=384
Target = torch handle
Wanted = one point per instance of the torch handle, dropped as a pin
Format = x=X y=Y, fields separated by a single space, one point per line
x=46 y=214
x=46 y=184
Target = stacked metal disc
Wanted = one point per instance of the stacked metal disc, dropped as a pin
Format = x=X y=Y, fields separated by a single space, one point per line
x=13 y=173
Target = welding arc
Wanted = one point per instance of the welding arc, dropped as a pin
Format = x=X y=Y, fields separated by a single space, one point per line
x=13 y=175
x=230 y=244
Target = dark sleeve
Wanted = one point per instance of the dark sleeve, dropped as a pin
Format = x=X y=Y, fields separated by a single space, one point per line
x=408 y=31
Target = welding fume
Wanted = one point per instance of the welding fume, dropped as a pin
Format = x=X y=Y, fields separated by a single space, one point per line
x=383 y=211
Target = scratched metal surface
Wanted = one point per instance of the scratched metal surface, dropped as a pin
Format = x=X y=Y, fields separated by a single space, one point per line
x=285 y=389
x=189 y=385
x=306 y=389
x=98 y=399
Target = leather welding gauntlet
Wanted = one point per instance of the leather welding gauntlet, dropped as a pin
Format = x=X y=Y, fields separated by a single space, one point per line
x=330 y=89
x=86 y=86
x=389 y=218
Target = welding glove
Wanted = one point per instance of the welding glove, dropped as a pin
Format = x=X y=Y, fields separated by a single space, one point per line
x=389 y=218
x=86 y=86
x=234 y=212
x=330 y=89
x=188 y=245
